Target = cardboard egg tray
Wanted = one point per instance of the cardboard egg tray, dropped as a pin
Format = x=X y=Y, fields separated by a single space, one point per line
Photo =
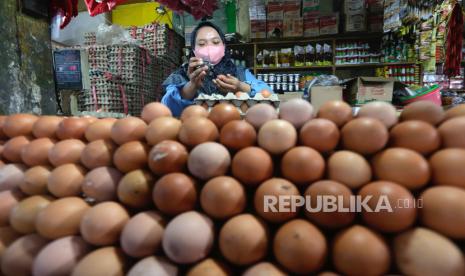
x=242 y=103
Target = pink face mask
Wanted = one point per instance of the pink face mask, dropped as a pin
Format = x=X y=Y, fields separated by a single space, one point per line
x=212 y=53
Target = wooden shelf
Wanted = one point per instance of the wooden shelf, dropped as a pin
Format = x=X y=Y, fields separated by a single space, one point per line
x=302 y=40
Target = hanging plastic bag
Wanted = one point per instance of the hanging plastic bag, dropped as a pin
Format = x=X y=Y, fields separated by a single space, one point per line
x=96 y=7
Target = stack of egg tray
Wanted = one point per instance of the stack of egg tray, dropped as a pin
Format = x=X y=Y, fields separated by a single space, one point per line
x=160 y=40
x=90 y=39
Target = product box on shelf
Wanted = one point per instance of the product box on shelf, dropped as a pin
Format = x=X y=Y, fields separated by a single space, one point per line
x=311 y=6
x=274 y=11
x=258 y=28
x=329 y=24
x=354 y=6
x=355 y=22
x=375 y=22
x=319 y=95
x=363 y=90
x=311 y=26
x=274 y=28
x=375 y=6
x=293 y=27
x=291 y=9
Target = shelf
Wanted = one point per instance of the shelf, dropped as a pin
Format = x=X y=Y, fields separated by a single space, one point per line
x=373 y=64
x=301 y=40
x=294 y=68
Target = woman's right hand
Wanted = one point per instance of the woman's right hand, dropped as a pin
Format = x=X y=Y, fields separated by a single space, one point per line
x=196 y=75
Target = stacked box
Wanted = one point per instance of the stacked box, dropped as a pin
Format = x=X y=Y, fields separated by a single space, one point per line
x=355 y=14
x=160 y=40
x=257 y=15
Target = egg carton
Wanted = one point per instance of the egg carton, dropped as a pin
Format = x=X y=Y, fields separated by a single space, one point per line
x=242 y=102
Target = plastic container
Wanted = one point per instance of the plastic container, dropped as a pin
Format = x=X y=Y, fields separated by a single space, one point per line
x=433 y=94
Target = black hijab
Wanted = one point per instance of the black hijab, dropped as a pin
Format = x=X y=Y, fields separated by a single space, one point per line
x=224 y=67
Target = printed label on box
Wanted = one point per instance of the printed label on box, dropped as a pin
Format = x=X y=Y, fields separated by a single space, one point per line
x=274 y=28
x=312 y=26
x=329 y=24
x=274 y=11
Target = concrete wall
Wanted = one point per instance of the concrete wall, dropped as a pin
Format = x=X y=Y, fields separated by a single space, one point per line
x=26 y=70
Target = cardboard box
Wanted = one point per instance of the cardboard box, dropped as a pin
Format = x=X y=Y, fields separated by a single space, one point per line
x=257 y=28
x=311 y=6
x=376 y=6
x=274 y=28
x=354 y=6
x=375 y=23
x=355 y=23
x=329 y=24
x=319 y=95
x=274 y=11
x=291 y=9
x=363 y=90
x=311 y=26
x=293 y=27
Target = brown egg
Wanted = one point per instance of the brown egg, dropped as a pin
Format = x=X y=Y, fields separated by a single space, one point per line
x=244 y=240
x=61 y=218
x=442 y=210
x=385 y=112
x=66 y=151
x=277 y=136
x=36 y=152
x=359 y=251
x=209 y=267
x=403 y=166
x=142 y=235
x=8 y=200
x=100 y=130
x=175 y=193
x=316 y=192
x=296 y=111
x=11 y=176
x=98 y=153
x=259 y=114
x=46 y=127
x=223 y=197
x=72 y=128
x=155 y=110
x=102 y=261
x=102 y=224
x=349 y=168
x=448 y=167
x=252 y=165
x=161 y=129
x=19 y=125
x=264 y=269
x=154 y=265
x=415 y=135
x=2 y=124
x=66 y=180
x=18 y=258
x=90 y=119
x=423 y=111
x=453 y=133
x=13 y=148
x=267 y=198
x=302 y=165
x=457 y=111
x=424 y=252
x=197 y=130
x=35 y=180
x=328 y=273
x=395 y=213
x=320 y=134
x=24 y=214
x=101 y=183
x=188 y=238
x=131 y=156
x=168 y=157
x=127 y=130
x=224 y=113
x=193 y=111
x=237 y=135
x=7 y=236
x=338 y=112
x=208 y=160
x=300 y=247
x=364 y=136
x=135 y=189
x=60 y=257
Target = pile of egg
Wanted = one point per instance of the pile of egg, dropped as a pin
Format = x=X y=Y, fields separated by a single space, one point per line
x=159 y=195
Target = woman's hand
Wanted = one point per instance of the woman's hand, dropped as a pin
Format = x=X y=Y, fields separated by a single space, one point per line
x=196 y=75
x=231 y=84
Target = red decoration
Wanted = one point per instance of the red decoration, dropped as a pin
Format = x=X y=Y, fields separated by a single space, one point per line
x=97 y=7
x=67 y=8
x=454 y=42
